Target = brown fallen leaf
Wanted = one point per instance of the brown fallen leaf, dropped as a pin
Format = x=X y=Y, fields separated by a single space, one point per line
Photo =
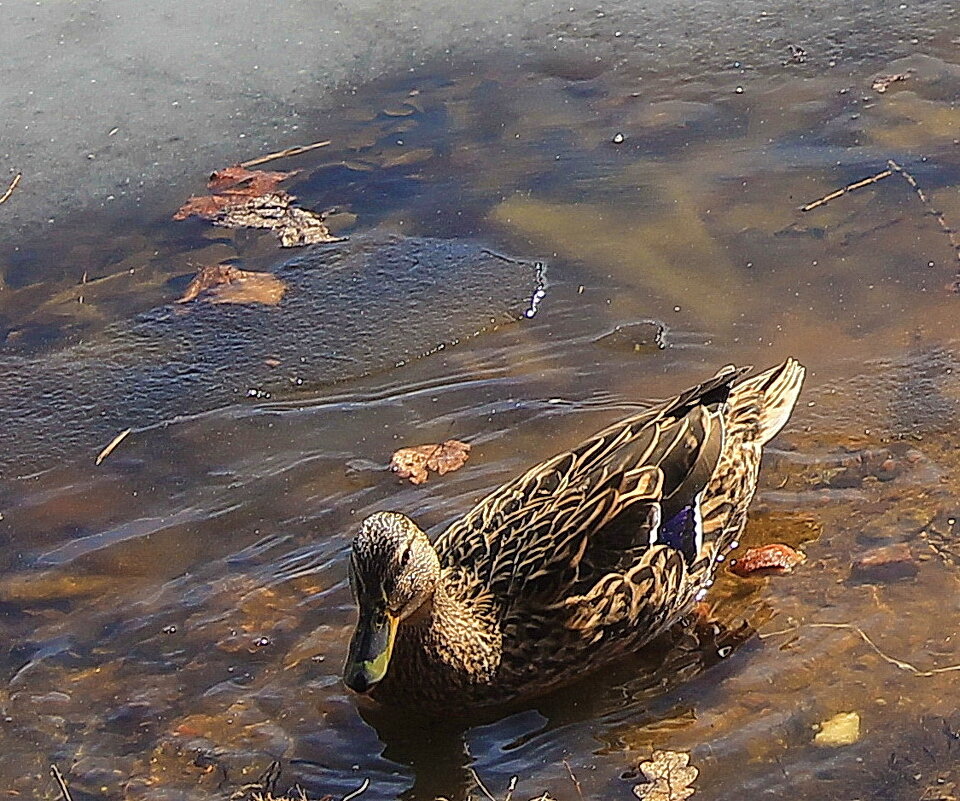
x=238 y=179
x=223 y=283
x=232 y=186
x=250 y=199
x=413 y=463
x=776 y=558
x=669 y=776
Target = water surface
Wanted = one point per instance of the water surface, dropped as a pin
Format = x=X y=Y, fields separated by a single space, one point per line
x=176 y=618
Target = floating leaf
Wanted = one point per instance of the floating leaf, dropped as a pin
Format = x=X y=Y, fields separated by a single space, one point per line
x=669 y=776
x=250 y=199
x=413 y=463
x=775 y=558
x=233 y=186
x=238 y=179
x=223 y=283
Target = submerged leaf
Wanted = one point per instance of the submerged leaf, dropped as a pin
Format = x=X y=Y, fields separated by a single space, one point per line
x=669 y=776
x=294 y=226
x=223 y=283
x=413 y=463
x=776 y=558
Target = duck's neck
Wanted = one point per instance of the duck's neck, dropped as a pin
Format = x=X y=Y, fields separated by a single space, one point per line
x=457 y=631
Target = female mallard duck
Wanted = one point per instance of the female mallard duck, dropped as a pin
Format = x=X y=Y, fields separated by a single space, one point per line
x=579 y=561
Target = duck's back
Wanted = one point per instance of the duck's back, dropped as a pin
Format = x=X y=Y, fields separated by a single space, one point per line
x=597 y=550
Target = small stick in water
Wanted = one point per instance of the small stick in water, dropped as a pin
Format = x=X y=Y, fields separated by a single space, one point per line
x=935 y=213
x=895 y=168
x=111 y=446
x=13 y=185
x=64 y=790
x=282 y=154
x=848 y=188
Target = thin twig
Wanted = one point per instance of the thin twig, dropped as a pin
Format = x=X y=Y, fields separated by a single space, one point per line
x=361 y=789
x=64 y=790
x=935 y=213
x=111 y=446
x=511 y=788
x=483 y=789
x=13 y=185
x=895 y=168
x=573 y=778
x=899 y=663
x=848 y=188
x=282 y=154
x=777 y=633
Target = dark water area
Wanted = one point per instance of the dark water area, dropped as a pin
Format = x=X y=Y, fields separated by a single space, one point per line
x=175 y=619
x=331 y=324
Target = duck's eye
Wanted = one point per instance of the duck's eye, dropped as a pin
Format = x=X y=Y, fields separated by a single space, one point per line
x=405 y=556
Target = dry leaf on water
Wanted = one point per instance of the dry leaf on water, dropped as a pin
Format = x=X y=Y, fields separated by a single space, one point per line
x=413 y=463
x=294 y=226
x=252 y=182
x=233 y=186
x=669 y=776
x=222 y=283
x=250 y=199
x=775 y=558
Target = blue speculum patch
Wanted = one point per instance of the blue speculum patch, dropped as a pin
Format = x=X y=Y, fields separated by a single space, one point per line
x=684 y=531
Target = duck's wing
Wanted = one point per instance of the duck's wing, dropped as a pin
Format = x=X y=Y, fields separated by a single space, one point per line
x=645 y=592
x=641 y=600
x=604 y=500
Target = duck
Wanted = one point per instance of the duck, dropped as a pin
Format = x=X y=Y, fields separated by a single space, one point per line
x=575 y=564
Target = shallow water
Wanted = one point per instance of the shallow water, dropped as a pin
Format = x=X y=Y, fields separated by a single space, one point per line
x=176 y=618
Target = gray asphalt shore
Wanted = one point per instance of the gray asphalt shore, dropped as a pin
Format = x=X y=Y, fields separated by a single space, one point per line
x=107 y=101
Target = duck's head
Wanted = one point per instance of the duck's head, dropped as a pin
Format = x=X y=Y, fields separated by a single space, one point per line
x=393 y=572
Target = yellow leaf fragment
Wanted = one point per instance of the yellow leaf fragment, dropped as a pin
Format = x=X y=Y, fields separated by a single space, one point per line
x=841 y=729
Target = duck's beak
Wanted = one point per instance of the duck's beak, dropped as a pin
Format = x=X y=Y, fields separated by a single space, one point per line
x=370 y=649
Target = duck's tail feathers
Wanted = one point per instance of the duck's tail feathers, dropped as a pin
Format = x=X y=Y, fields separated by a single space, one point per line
x=775 y=392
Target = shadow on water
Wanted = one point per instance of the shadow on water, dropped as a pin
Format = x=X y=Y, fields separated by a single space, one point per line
x=643 y=693
x=174 y=619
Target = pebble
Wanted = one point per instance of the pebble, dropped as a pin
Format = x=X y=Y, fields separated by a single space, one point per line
x=886 y=563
